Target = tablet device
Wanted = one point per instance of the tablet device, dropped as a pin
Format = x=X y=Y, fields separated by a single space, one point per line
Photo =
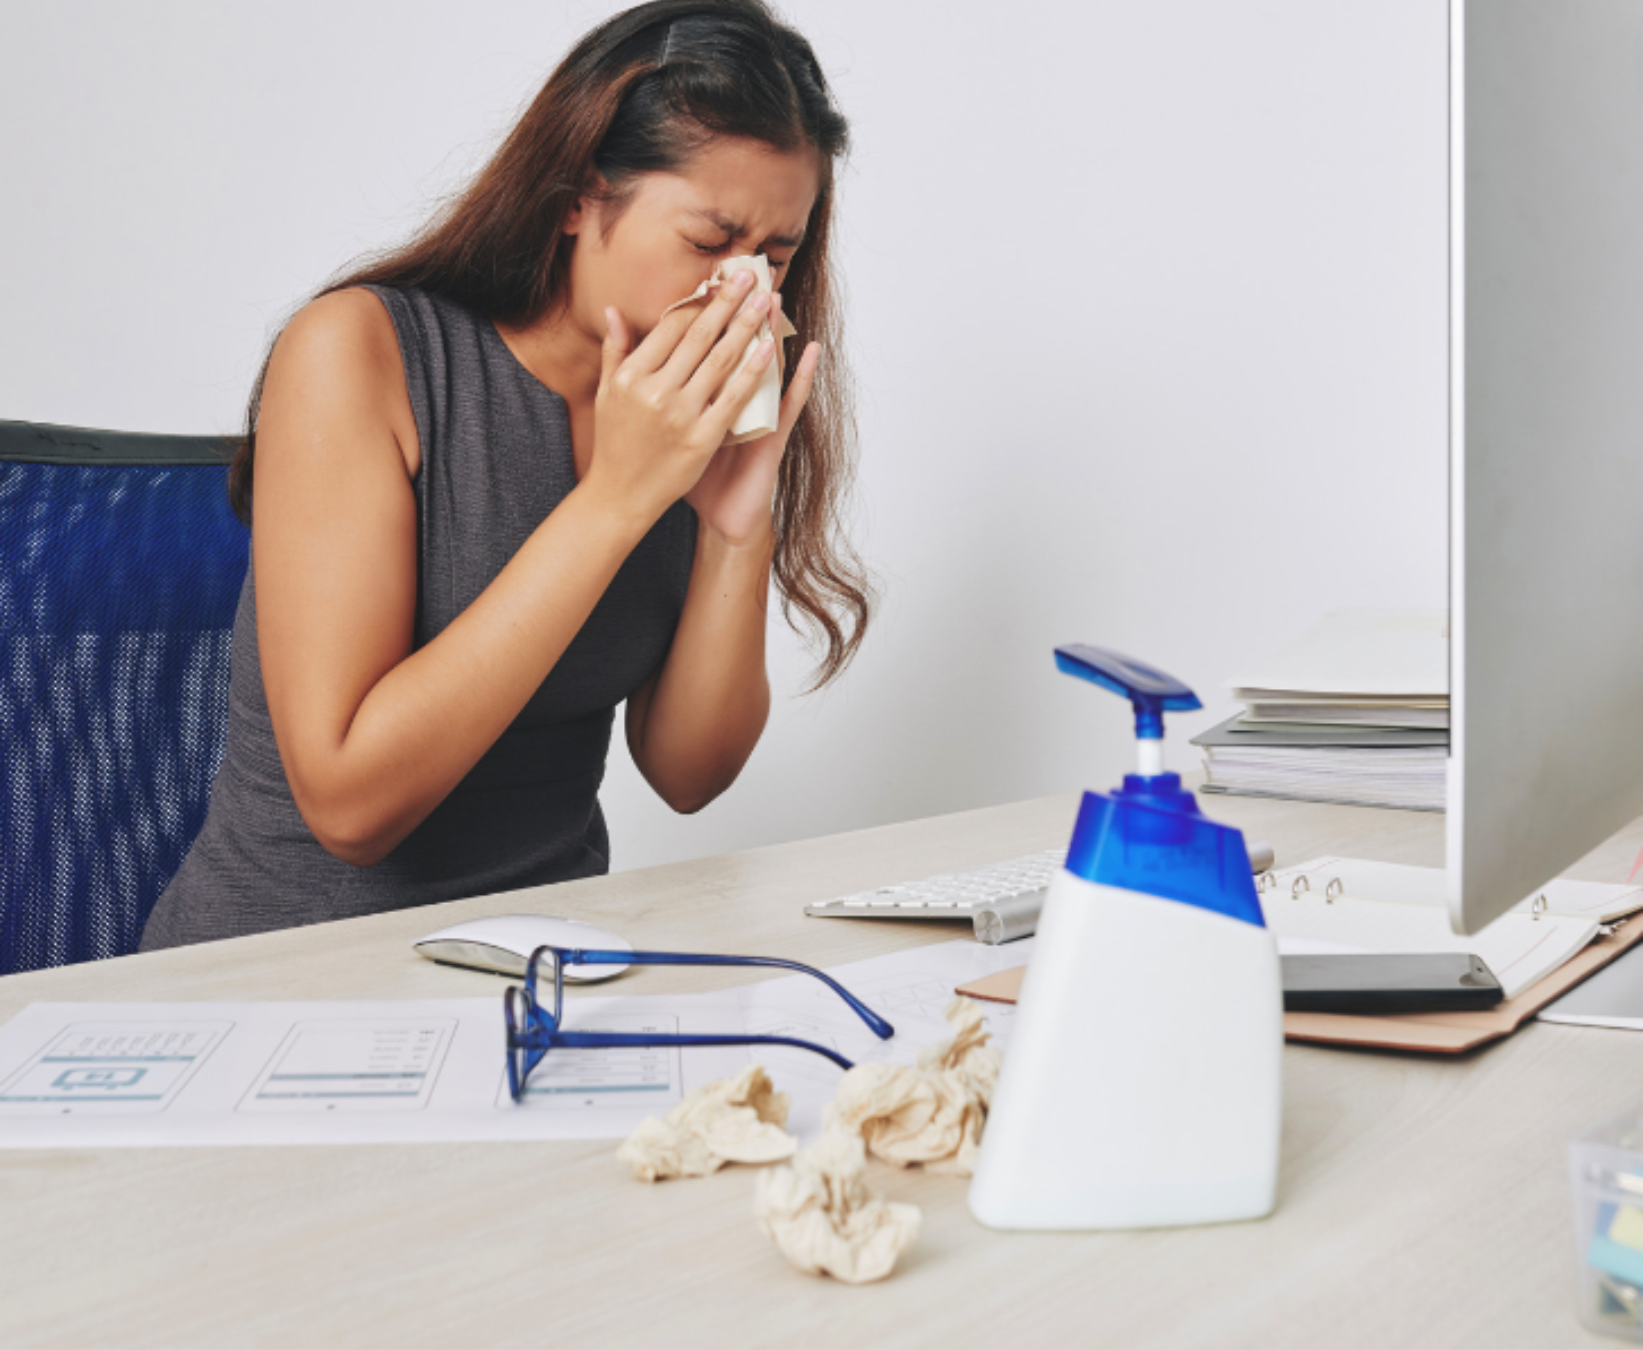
x=1389 y=983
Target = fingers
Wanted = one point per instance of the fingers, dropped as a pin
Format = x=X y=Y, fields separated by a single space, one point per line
x=710 y=326
x=652 y=354
x=615 y=348
x=660 y=344
x=710 y=375
x=738 y=393
x=798 y=389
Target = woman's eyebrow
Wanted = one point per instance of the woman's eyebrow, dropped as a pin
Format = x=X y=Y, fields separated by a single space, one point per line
x=736 y=230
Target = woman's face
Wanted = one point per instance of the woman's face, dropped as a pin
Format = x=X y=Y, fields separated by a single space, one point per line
x=735 y=196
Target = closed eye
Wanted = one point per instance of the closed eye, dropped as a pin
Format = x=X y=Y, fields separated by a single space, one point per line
x=724 y=246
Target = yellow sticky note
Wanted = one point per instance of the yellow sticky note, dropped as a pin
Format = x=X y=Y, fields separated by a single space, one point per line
x=1627 y=1228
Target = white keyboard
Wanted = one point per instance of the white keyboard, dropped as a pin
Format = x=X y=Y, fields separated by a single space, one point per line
x=1002 y=900
x=982 y=895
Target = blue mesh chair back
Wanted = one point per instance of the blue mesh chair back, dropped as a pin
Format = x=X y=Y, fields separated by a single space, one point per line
x=120 y=567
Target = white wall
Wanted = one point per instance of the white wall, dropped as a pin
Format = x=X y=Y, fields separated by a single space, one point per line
x=1147 y=310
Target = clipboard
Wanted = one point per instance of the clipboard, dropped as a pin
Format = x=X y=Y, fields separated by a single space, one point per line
x=1428 y=1033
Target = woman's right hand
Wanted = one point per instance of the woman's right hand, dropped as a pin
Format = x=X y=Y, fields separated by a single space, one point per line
x=664 y=409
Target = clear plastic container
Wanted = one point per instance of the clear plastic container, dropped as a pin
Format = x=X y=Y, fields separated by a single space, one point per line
x=1606 y=1175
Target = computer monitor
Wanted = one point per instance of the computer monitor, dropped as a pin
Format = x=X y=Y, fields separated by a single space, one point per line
x=1546 y=441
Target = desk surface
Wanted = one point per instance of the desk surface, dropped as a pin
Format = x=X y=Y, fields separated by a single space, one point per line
x=1422 y=1201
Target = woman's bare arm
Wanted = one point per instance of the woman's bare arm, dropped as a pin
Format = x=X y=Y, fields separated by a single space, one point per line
x=693 y=726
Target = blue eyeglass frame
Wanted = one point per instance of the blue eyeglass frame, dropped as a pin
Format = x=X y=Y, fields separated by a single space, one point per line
x=533 y=1031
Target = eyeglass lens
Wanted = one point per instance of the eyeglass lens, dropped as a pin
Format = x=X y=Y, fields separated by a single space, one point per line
x=548 y=991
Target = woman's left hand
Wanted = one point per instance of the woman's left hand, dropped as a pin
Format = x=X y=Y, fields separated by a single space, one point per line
x=734 y=496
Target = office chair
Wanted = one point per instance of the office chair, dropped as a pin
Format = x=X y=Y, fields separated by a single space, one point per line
x=120 y=567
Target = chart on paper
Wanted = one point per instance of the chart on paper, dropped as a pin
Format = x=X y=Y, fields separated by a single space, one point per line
x=611 y=1076
x=353 y=1064
x=110 y=1068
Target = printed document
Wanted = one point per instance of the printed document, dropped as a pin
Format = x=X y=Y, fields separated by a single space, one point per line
x=103 y=1075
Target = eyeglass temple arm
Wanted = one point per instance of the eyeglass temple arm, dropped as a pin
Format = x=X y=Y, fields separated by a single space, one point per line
x=593 y=1040
x=579 y=957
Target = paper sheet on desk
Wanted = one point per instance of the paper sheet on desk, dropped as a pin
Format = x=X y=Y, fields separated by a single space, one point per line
x=96 y=1075
x=87 y=1074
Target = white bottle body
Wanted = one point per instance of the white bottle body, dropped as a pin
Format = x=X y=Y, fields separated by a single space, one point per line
x=1143 y=1083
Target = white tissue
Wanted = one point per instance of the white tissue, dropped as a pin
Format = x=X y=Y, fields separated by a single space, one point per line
x=931 y=1115
x=825 y=1220
x=738 y=1119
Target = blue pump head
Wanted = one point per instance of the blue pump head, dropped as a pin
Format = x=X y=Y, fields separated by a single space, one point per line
x=1150 y=692
x=1149 y=835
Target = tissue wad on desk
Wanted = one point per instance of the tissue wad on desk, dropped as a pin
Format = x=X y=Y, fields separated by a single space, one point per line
x=763 y=412
x=824 y=1218
x=932 y=1114
x=738 y=1119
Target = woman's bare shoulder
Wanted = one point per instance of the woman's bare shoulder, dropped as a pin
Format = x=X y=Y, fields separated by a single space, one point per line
x=349 y=326
x=339 y=353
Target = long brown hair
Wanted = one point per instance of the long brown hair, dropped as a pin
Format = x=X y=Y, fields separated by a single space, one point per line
x=640 y=94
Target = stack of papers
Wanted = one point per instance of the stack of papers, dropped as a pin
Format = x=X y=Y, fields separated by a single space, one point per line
x=1357 y=712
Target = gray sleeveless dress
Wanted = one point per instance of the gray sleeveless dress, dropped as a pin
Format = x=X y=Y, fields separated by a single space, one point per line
x=496 y=459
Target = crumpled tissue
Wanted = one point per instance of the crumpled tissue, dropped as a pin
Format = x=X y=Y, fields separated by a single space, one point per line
x=824 y=1218
x=738 y=1119
x=762 y=415
x=933 y=1114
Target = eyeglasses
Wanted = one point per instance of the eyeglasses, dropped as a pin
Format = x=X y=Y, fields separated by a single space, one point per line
x=533 y=1030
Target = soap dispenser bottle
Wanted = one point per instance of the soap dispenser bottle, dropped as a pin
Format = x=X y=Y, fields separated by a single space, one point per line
x=1141 y=1086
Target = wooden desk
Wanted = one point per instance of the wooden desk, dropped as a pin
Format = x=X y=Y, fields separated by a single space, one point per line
x=1422 y=1201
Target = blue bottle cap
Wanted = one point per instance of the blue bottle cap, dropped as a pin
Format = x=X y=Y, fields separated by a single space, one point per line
x=1142 y=841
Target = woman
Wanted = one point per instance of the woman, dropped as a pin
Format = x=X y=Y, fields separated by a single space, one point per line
x=493 y=499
